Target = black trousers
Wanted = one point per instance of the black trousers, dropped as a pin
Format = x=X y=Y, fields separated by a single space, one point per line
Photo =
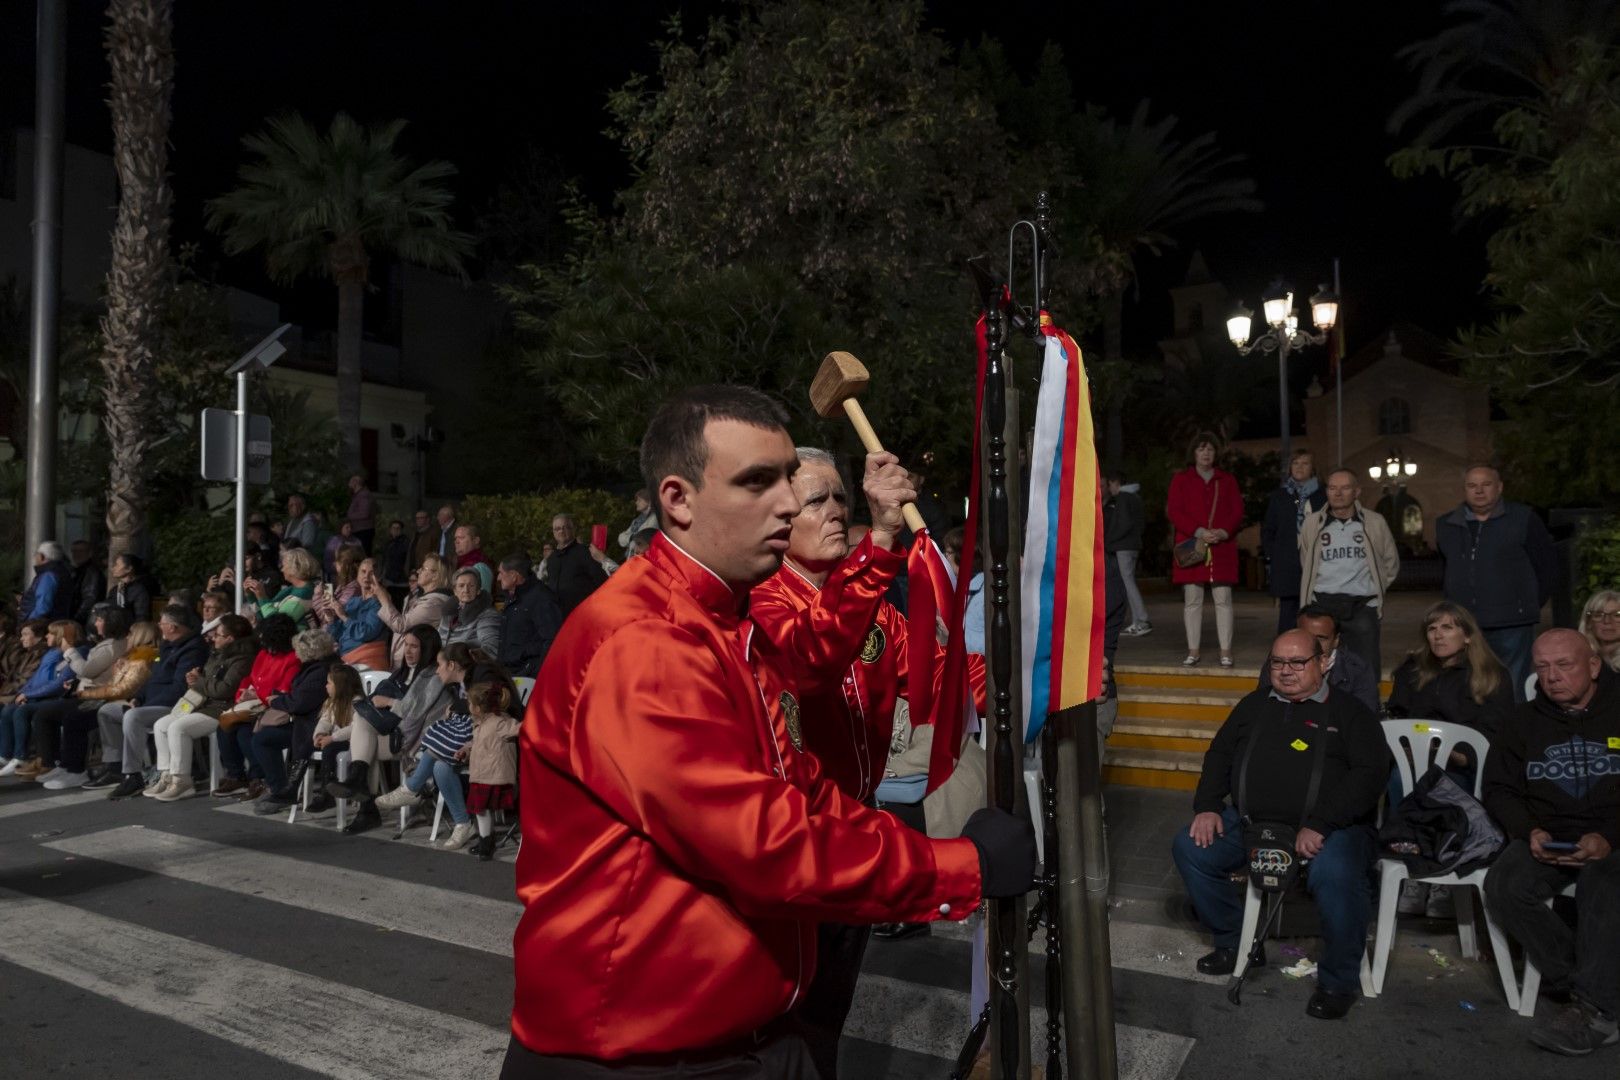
x=781 y=1054
x=839 y=950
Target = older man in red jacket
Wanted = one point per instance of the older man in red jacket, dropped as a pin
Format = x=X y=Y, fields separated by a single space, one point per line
x=680 y=846
x=825 y=607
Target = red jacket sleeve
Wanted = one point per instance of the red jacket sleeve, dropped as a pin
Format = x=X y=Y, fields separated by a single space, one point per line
x=656 y=738
x=900 y=633
x=825 y=638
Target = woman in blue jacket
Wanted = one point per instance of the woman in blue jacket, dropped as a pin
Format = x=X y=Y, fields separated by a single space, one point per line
x=49 y=681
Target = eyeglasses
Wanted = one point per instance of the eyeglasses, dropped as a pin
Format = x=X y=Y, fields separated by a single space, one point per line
x=1606 y=616
x=1292 y=663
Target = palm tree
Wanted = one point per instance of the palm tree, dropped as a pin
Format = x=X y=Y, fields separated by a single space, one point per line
x=326 y=206
x=140 y=52
x=1143 y=182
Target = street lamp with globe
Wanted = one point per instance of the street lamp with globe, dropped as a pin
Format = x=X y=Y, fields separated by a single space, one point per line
x=1284 y=337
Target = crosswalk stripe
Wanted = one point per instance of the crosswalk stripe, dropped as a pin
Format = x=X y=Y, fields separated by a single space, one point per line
x=15 y=807
x=934 y=1020
x=325 y=1026
x=429 y=911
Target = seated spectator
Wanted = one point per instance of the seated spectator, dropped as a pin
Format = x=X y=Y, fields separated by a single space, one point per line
x=346 y=576
x=411 y=694
x=1552 y=781
x=213 y=605
x=1347 y=672
x=50 y=595
x=448 y=742
x=110 y=628
x=429 y=603
x=272 y=673
x=646 y=518
x=89 y=581
x=50 y=680
x=474 y=621
x=132 y=588
x=288 y=723
x=530 y=619
x=1453 y=676
x=332 y=730
x=181 y=650
x=1257 y=767
x=1600 y=622
x=20 y=651
x=209 y=693
x=571 y=572
x=302 y=571
x=491 y=761
x=103 y=705
x=356 y=626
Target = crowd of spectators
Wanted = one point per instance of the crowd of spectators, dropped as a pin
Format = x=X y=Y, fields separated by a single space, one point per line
x=400 y=650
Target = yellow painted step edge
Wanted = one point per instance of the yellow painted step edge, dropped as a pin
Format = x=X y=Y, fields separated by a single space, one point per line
x=1128 y=776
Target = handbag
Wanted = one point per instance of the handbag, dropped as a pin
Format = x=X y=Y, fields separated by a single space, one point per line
x=1193 y=551
x=273 y=718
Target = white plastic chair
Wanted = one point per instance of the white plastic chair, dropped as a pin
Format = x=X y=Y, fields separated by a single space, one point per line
x=525 y=687
x=370 y=680
x=1431 y=741
x=1530 y=684
x=1532 y=978
x=304 y=789
x=1251 y=923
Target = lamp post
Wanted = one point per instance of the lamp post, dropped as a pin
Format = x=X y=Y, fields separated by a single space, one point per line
x=262 y=355
x=1393 y=474
x=1284 y=337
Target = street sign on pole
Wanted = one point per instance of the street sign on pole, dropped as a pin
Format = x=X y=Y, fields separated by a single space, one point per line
x=219 y=447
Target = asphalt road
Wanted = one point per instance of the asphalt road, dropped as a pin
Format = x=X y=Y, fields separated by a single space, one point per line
x=189 y=941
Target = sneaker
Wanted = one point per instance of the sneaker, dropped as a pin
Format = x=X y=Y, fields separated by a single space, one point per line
x=1576 y=1030
x=157 y=785
x=1143 y=629
x=228 y=787
x=459 y=836
x=10 y=765
x=178 y=787
x=1414 y=898
x=63 y=780
x=33 y=768
x=400 y=796
x=105 y=777
x=49 y=776
x=129 y=785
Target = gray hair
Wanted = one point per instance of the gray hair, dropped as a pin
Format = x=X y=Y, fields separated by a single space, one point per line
x=313 y=644
x=52 y=550
x=814 y=455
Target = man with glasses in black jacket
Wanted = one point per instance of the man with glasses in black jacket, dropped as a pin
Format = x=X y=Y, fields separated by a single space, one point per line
x=1259 y=768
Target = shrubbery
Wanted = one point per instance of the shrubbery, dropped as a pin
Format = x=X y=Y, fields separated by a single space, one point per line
x=187 y=549
x=511 y=523
x=1598 y=558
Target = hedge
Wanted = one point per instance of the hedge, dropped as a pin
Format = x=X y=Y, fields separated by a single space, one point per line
x=509 y=523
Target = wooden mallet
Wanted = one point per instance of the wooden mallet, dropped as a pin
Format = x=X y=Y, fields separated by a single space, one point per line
x=840 y=379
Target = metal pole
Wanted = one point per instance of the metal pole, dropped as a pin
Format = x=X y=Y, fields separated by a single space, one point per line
x=1338 y=367
x=1085 y=911
x=50 y=92
x=241 y=479
x=1282 y=396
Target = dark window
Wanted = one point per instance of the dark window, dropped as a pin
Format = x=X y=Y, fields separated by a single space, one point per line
x=1195 y=317
x=1394 y=417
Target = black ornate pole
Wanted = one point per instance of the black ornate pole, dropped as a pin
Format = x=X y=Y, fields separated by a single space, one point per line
x=1007 y=942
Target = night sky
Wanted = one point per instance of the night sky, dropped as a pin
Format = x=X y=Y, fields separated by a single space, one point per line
x=1302 y=90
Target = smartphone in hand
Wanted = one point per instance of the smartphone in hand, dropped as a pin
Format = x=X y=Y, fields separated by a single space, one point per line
x=1560 y=847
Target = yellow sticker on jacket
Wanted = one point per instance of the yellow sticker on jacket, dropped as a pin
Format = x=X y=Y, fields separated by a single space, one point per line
x=1614 y=744
x=1420 y=727
x=1300 y=744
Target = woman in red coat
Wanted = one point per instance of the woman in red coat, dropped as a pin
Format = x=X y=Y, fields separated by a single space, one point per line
x=1205 y=503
